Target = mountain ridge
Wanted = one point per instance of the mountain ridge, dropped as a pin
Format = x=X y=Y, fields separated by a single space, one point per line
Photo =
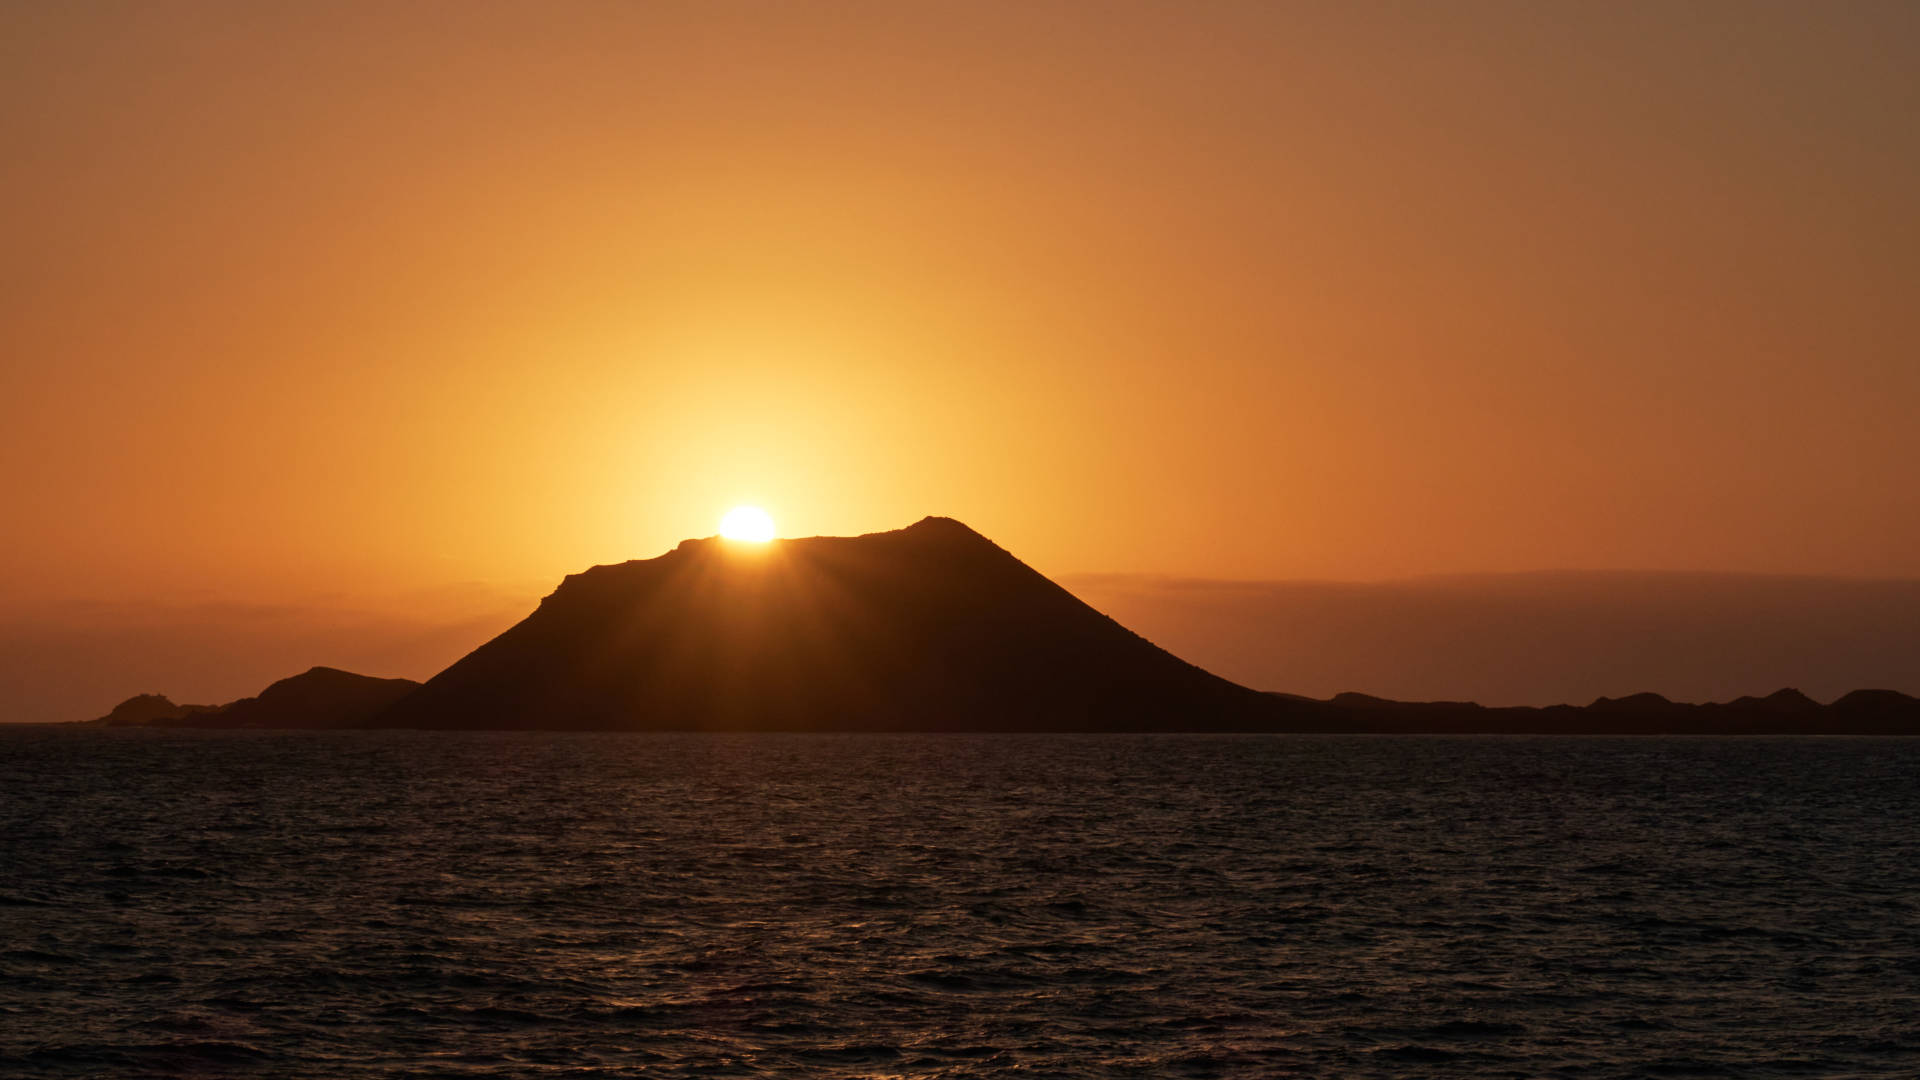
x=928 y=628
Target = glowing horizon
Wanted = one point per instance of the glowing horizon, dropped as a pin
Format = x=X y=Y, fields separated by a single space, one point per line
x=342 y=304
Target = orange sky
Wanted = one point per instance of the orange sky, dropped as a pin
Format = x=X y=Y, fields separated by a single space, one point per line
x=351 y=300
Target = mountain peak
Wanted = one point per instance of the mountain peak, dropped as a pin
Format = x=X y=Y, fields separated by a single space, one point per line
x=1787 y=700
x=932 y=524
x=1631 y=703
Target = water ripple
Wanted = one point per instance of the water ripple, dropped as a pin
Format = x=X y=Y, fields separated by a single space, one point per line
x=489 y=905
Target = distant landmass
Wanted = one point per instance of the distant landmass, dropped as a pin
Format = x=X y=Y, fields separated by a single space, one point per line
x=928 y=628
x=1531 y=638
x=321 y=697
x=1785 y=712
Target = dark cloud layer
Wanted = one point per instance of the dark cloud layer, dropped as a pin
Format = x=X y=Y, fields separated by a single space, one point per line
x=1534 y=639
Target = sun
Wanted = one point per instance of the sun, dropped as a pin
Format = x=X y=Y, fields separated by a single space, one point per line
x=748 y=523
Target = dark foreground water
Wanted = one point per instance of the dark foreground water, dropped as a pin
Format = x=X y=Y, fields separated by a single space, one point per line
x=401 y=904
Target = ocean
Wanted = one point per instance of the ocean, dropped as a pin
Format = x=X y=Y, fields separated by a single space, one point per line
x=389 y=904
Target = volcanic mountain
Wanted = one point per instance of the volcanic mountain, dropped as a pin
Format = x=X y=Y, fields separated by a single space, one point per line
x=932 y=627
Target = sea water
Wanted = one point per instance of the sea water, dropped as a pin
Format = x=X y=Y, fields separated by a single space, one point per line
x=475 y=905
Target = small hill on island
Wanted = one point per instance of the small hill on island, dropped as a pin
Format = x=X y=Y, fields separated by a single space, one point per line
x=152 y=710
x=320 y=697
x=317 y=698
x=932 y=627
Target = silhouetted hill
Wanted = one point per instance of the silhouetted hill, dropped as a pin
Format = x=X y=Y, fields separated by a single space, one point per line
x=142 y=710
x=932 y=627
x=1788 y=701
x=1632 y=704
x=320 y=697
x=1875 y=711
x=1784 y=712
